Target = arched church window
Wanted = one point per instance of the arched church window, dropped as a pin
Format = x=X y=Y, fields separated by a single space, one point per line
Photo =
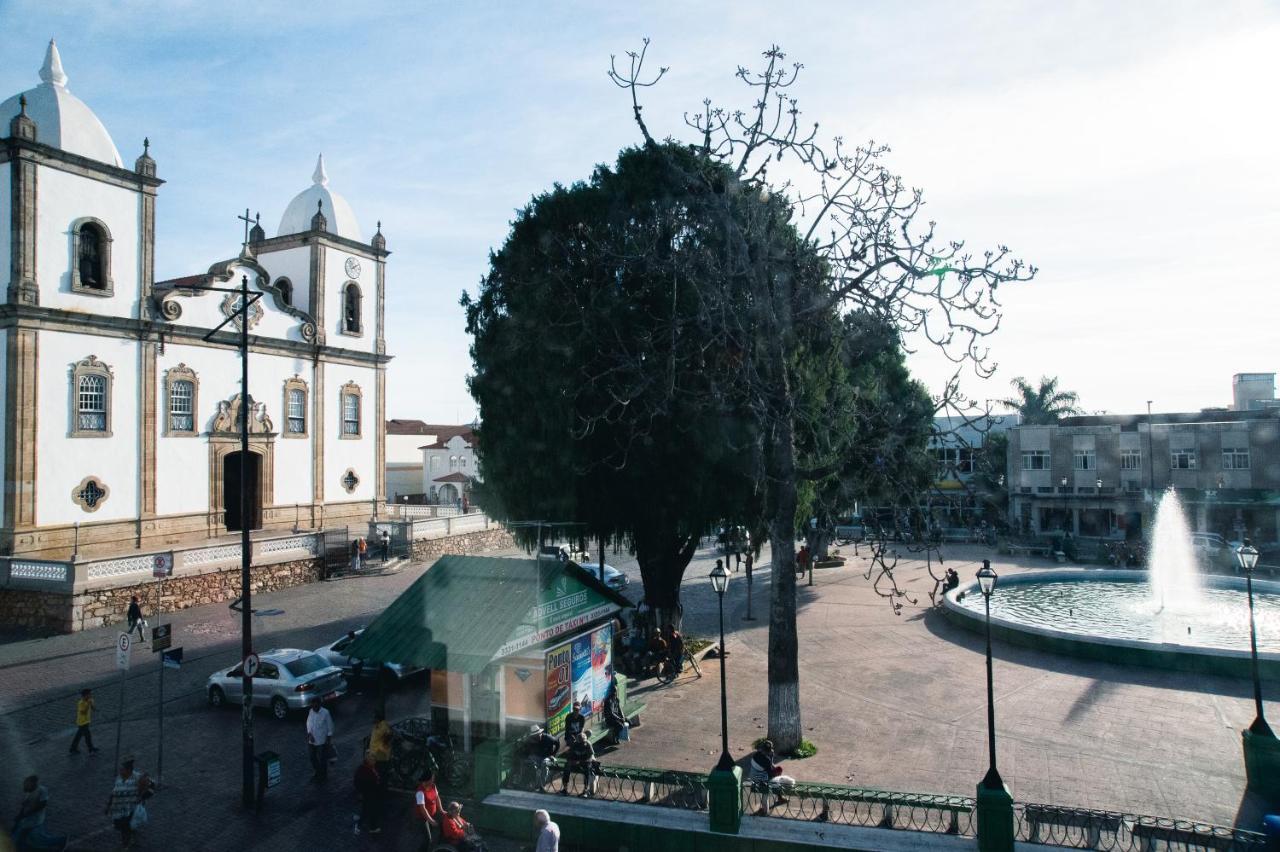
x=181 y=388
x=285 y=286
x=91 y=399
x=295 y=408
x=351 y=309
x=91 y=258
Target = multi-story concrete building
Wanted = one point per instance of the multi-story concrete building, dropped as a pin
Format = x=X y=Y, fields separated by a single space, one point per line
x=1098 y=475
x=956 y=445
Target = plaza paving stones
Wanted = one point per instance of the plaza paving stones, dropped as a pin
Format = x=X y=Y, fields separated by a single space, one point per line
x=899 y=702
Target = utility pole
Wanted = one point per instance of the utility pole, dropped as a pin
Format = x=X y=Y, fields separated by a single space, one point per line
x=246 y=611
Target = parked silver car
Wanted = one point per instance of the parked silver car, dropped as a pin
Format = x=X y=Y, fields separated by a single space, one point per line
x=613 y=578
x=287 y=679
x=335 y=653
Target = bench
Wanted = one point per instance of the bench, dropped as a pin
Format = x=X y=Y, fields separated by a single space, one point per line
x=1191 y=838
x=1093 y=824
x=888 y=801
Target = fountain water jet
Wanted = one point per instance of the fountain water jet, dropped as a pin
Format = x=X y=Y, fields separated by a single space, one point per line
x=1173 y=572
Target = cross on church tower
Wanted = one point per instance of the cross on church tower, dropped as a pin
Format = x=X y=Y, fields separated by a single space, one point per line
x=247 y=223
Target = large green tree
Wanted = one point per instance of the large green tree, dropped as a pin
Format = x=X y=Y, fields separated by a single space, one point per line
x=609 y=382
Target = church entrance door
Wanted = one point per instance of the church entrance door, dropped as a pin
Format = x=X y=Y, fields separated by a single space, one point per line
x=231 y=491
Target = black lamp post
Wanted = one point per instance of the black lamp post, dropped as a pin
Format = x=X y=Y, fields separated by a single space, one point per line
x=987 y=582
x=1247 y=554
x=1101 y=511
x=720 y=582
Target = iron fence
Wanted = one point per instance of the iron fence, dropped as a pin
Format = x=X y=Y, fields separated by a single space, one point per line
x=860 y=806
x=1086 y=828
x=660 y=787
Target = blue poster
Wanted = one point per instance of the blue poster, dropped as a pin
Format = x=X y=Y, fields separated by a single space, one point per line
x=583 y=678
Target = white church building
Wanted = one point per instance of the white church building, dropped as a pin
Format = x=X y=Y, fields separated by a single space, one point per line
x=119 y=426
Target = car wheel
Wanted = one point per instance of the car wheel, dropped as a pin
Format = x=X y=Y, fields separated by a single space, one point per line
x=217 y=697
x=279 y=708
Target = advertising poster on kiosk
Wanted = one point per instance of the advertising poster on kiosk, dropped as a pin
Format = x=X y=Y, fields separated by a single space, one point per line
x=579 y=670
x=559 y=688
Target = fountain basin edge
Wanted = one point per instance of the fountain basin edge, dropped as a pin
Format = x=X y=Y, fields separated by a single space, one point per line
x=1196 y=659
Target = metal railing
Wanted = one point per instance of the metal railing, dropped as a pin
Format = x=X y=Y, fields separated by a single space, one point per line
x=1086 y=828
x=661 y=787
x=860 y=806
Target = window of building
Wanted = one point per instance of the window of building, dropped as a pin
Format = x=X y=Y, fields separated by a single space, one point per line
x=285 y=286
x=1130 y=459
x=182 y=391
x=351 y=308
x=351 y=410
x=295 y=408
x=1035 y=460
x=435 y=462
x=91 y=399
x=462 y=462
x=453 y=462
x=91 y=257
x=1182 y=459
x=1235 y=459
x=1084 y=460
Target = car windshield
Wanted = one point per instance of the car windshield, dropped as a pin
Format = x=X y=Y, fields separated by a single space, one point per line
x=306 y=665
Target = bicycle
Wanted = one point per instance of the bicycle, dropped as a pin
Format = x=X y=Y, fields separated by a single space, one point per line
x=415 y=747
x=667 y=671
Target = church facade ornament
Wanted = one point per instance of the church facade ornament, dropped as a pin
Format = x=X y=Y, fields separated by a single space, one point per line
x=230 y=307
x=90 y=494
x=227 y=421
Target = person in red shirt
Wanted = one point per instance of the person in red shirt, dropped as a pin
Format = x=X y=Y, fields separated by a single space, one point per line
x=459 y=833
x=426 y=805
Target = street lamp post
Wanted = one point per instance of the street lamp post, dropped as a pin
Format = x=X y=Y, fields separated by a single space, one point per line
x=720 y=582
x=1247 y=555
x=1101 y=510
x=987 y=582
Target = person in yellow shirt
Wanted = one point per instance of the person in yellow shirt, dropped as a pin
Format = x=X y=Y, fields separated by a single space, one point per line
x=380 y=744
x=84 y=715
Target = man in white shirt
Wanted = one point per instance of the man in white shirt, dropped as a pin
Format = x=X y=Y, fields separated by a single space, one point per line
x=548 y=832
x=319 y=735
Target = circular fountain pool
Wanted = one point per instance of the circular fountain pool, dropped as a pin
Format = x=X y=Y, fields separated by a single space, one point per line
x=1113 y=615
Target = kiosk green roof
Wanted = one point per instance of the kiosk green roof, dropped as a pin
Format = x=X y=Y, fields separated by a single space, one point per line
x=466 y=611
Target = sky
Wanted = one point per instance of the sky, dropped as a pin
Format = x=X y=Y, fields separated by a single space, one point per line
x=1126 y=149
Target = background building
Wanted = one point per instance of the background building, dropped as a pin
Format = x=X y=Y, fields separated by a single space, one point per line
x=959 y=496
x=1098 y=475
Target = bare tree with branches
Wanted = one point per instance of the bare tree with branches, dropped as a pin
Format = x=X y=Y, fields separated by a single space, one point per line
x=863 y=221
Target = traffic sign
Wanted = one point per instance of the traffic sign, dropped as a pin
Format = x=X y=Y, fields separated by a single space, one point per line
x=122 y=651
x=172 y=658
x=161 y=637
x=251 y=664
x=162 y=565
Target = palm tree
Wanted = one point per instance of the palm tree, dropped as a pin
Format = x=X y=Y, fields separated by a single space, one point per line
x=1043 y=405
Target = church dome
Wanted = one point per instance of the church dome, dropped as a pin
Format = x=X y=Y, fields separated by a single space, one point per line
x=62 y=120
x=337 y=212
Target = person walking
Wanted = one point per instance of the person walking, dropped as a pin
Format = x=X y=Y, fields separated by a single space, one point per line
x=84 y=715
x=364 y=550
x=368 y=785
x=28 y=826
x=136 y=621
x=380 y=745
x=319 y=738
x=548 y=832
x=124 y=805
x=426 y=806
x=355 y=554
